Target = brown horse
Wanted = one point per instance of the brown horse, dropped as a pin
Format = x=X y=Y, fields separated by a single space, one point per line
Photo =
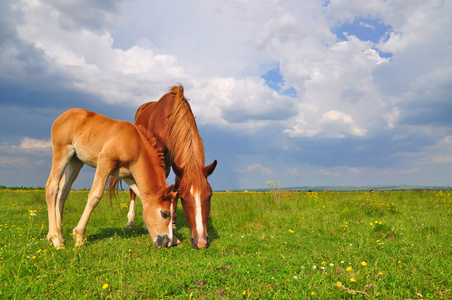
x=114 y=148
x=172 y=122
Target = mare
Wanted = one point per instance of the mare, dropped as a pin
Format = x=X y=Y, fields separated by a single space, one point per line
x=170 y=120
x=115 y=148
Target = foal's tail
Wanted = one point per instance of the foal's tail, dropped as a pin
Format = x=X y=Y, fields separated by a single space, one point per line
x=113 y=184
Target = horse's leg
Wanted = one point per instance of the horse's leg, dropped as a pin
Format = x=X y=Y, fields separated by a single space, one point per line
x=175 y=241
x=168 y=162
x=104 y=168
x=131 y=214
x=60 y=159
x=174 y=214
x=72 y=171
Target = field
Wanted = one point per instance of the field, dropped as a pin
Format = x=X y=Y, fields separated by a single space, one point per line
x=266 y=245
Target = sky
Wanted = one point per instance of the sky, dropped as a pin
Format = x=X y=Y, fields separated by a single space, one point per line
x=307 y=93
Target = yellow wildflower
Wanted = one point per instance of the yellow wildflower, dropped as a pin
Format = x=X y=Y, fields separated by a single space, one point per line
x=105 y=286
x=352 y=279
x=349 y=269
x=363 y=263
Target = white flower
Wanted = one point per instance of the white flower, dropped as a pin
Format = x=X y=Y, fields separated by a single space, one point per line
x=314 y=267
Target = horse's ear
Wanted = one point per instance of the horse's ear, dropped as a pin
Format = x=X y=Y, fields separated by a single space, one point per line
x=178 y=171
x=169 y=193
x=208 y=170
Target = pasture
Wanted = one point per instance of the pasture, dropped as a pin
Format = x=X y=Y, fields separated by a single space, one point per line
x=267 y=245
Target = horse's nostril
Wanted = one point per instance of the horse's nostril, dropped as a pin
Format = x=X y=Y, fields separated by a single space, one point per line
x=194 y=243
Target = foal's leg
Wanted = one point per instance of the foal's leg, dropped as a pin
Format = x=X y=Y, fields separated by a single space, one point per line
x=60 y=159
x=104 y=169
x=72 y=171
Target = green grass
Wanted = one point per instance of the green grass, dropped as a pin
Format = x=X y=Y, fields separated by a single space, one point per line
x=347 y=245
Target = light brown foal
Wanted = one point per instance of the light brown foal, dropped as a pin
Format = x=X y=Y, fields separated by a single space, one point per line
x=115 y=148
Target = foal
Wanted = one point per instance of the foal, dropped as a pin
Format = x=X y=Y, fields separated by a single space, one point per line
x=115 y=148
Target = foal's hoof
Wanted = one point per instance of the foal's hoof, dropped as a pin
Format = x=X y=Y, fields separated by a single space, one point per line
x=56 y=241
x=130 y=224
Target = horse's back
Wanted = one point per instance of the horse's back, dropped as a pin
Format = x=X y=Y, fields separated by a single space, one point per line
x=153 y=116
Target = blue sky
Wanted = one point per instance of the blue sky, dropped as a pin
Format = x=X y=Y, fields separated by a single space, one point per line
x=341 y=92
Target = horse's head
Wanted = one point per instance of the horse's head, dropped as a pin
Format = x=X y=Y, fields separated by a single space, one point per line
x=158 y=216
x=195 y=199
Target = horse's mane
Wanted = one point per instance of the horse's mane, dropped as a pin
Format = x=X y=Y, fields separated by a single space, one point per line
x=184 y=142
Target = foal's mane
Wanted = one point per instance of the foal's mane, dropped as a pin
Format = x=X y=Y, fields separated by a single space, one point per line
x=184 y=142
x=152 y=143
x=156 y=156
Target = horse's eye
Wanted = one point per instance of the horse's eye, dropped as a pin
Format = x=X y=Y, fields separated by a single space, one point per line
x=164 y=214
x=182 y=200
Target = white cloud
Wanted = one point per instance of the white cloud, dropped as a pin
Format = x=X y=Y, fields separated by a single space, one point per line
x=87 y=60
x=263 y=170
x=28 y=146
x=328 y=75
x=247 y=103
x=328 y=173
x=30 y=143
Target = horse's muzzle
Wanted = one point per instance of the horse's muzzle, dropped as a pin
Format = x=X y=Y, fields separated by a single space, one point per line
x=201 y=243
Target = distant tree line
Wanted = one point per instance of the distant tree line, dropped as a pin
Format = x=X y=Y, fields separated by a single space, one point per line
x=2 y=187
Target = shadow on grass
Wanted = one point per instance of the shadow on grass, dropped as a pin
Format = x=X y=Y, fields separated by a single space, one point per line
x=140 y=229
x=123 y=232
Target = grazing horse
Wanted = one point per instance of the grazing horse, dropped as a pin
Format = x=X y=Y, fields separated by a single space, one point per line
x=114 y=148
x=172 y=123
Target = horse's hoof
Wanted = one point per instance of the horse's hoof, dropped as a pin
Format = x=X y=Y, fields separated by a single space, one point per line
x=175 y=242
